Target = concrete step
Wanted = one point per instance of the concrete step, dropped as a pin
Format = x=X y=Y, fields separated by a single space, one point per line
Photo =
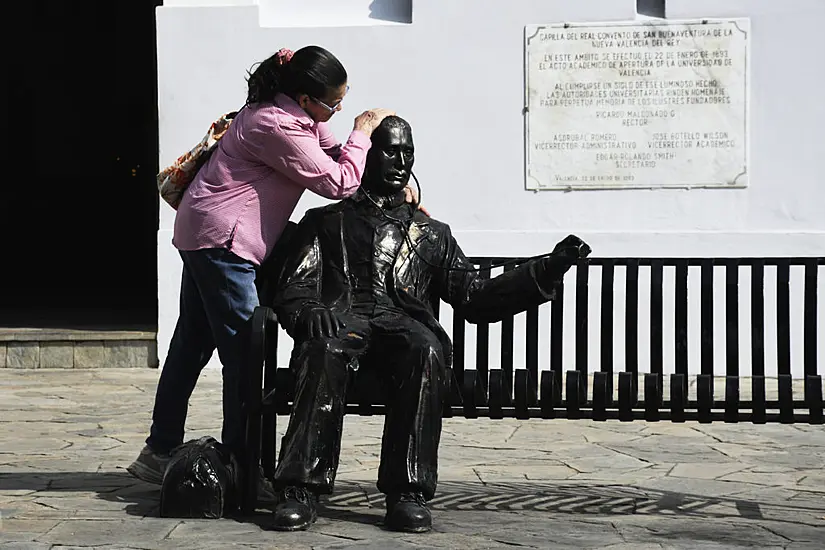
x=31 y=348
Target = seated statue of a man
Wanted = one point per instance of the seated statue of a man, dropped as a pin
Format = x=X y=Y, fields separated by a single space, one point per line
x=358 y=282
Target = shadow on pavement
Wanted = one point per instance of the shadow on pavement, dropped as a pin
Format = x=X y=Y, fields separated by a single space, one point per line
x=142 y=499
x=579 y=499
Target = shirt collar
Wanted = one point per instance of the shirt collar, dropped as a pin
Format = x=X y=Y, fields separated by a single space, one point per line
x=291 y=107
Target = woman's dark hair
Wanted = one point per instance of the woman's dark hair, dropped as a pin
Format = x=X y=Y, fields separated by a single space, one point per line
x=312 y=70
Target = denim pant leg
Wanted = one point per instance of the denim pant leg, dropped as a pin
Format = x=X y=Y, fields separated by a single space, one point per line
x=191 y=348
x=227 y=288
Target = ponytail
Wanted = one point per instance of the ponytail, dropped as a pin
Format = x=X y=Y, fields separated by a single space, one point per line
x=311 y=70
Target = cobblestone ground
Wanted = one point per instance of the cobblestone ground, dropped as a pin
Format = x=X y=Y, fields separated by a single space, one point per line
x=66 y=436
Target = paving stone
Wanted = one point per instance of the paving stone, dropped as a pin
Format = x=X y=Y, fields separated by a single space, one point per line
x=759 y=455
x=534 y=470
x=89 y=355
x=613 y=461
x=689 y=486
x=219 y=533
x=786 y=479
x=28 y=510
x=589 y=435
x=63 y=450
x=25 y=447
x=29 y=527
x=558 y=532
x=22 y=355
x=87 y=502
x=661 y=448
x=812 y=480
x=636 y=546
x=702 y=533
x=427 y=541
x=84 y=532
x=797 y=532
x=706 y=470
x=632 y=477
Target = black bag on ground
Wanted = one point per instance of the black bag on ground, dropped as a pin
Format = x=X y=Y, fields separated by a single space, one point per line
x=202 y=480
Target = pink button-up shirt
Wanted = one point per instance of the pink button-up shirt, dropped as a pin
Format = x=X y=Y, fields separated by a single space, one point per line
x=243 y=197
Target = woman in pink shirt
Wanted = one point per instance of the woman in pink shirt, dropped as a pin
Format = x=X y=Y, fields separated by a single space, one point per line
x=232 y=215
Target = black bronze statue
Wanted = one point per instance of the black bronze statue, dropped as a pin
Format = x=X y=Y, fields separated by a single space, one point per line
x=358 y=283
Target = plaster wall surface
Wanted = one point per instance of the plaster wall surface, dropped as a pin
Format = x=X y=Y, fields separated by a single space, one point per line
x=456 y=72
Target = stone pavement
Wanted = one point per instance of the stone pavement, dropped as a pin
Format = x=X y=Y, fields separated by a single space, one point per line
x=66 y=435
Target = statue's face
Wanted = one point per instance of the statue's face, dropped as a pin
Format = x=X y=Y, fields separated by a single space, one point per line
x=390 y=160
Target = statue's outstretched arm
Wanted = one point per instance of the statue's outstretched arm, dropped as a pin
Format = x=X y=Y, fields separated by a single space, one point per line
x=533 y=283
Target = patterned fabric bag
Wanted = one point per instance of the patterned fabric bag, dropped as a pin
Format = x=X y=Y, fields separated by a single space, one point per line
x=174 y=180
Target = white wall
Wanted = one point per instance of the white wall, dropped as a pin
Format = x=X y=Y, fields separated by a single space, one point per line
x=456 y=73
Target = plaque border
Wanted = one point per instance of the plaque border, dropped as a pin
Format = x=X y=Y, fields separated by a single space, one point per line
x=740 y=181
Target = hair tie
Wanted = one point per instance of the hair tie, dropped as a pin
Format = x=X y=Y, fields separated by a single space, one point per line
x=284 y=56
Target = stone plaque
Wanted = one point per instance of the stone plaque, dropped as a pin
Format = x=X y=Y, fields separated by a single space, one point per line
x=637 y=104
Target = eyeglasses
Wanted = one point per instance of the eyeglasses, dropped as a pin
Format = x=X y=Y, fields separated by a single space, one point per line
x=331 y=108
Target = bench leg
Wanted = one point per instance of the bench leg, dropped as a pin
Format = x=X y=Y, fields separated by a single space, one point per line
x=270 y=419
x=252 y=458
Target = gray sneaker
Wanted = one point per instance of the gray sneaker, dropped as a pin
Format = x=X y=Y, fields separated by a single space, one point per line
x=149 y=466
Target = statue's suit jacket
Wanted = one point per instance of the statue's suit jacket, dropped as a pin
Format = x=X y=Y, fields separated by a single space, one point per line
x=428 y=266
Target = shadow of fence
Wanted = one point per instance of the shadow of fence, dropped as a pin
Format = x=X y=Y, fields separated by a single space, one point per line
x=540 y=496
x=581 y=499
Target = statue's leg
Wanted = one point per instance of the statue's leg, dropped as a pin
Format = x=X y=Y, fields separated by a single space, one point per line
x=312 y=443
x=410 y=359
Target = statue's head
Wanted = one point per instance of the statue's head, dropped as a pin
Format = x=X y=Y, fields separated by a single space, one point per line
x=390 y=159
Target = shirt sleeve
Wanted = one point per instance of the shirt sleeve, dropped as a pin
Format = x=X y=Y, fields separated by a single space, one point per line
x=296 y=151
x=328 y=143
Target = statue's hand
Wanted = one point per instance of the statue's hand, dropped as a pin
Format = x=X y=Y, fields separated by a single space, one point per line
x=564 y=256
x=572 y=248
x=320 y=321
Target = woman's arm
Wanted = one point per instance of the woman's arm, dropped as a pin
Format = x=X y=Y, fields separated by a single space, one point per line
x=295 y=151
x=328 y=143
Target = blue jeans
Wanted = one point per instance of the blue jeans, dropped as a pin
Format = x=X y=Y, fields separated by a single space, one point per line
x=217 y=298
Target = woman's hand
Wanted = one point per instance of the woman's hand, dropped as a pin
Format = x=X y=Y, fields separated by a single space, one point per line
x=368 y=121
x=411 y=196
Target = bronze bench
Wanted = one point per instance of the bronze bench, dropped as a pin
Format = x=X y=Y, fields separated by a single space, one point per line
x=524 y=393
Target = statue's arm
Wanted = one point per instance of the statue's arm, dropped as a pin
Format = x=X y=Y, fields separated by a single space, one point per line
x=482 y=300
x=300 y=283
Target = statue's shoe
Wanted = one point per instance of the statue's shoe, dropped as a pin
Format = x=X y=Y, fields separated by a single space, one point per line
x=295 y=510
x=408 y=512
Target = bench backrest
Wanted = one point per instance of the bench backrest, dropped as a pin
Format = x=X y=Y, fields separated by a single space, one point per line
x=670 y=276
x=730 y=322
